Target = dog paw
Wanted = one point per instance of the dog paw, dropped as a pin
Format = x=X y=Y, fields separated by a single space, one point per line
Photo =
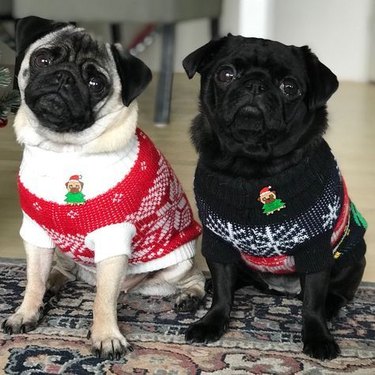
x=55 y=283
x=187 y=303
x=109 y=346
x=205 y=330
x=321 y=349
x=20 y=323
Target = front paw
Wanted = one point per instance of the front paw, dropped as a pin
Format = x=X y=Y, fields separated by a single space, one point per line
x=187 y=303
x=108 y=344
x=21 y=323
x=207 y=330
x=321 y=349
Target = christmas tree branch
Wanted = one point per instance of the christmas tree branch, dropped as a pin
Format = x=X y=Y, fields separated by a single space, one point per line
x=8 y=102
x=11 y=100
x=5 y=78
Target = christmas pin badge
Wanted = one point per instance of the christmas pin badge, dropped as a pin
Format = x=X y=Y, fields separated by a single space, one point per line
x=74 y=186
x=269 y=200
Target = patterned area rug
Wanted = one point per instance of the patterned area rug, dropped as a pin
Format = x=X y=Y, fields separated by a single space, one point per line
x=264 y=336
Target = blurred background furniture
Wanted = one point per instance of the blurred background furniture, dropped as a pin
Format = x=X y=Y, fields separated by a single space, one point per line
x=5 y=9
x=5 y=15
x=165 y=14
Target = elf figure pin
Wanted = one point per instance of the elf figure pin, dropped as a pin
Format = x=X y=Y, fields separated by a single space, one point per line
x=269 y=200
x=74 y=187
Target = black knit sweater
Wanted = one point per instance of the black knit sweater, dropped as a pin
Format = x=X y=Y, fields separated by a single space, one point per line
x=299 y=226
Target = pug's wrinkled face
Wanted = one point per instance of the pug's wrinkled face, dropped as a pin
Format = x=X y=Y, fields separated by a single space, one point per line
x=258 y=96
x=67 y=81
x=75 y=90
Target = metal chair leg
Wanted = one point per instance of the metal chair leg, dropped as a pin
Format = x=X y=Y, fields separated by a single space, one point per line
x=164 y=86
x=116 y=32
x=215 y=28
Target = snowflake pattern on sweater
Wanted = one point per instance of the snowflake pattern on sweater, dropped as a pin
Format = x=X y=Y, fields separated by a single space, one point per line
x=278 y=238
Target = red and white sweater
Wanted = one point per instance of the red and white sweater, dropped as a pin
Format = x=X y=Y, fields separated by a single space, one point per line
x=133 y=205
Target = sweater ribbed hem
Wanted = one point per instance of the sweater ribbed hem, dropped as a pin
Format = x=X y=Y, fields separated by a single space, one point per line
x=178 y=255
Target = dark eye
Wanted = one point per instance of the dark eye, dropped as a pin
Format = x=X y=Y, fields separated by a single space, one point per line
x=226 y=74
x=289 y=88
x=43 y=59
x=96 y=84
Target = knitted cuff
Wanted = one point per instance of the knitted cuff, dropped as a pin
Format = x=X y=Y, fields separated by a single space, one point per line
x=34 y=234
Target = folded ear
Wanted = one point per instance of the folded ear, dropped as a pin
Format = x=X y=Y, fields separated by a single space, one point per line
x=198 y=59
x=134 y=74
x=29 y=30
x=322 y=82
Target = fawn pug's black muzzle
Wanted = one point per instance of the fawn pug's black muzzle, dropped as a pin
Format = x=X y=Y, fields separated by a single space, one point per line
x=60 y=101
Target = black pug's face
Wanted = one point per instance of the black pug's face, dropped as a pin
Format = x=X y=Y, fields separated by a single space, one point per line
x=261 y=100
x=67 y=81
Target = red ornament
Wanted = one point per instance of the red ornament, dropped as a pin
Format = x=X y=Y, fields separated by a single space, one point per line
x=3 y=122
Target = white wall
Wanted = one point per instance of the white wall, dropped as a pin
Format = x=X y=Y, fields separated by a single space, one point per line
x=256 y=18
x=372 y=45
x=338 y=31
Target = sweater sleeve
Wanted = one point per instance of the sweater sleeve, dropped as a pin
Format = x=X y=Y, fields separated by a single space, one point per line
x=34 y=234
x=217 y=250
x=111 y=240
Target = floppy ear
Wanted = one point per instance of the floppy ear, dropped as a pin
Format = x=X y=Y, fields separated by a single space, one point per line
x=134 y=74
x=29 y=30
x=199 y=58
x=322 y=82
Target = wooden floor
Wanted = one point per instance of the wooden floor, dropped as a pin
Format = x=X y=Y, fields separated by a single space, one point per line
x=351 y=136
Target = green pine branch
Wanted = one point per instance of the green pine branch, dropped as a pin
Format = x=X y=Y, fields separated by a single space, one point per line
x=10 y=99
x=5 y=78
x=3 y=114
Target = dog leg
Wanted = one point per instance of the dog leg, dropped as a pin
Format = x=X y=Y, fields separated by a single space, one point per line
x=214 y=324
x=317 y=340
x=63 y=271
x=26 y=318
x=189 y=281
x=191 y=290
x=184 y=278
x=107 y=340
x=343 y=285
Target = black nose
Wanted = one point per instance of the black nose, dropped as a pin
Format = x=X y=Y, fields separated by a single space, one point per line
x=256 y=86
x=64 y=78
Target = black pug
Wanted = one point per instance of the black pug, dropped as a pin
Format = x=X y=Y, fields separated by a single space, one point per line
x=273 y=204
